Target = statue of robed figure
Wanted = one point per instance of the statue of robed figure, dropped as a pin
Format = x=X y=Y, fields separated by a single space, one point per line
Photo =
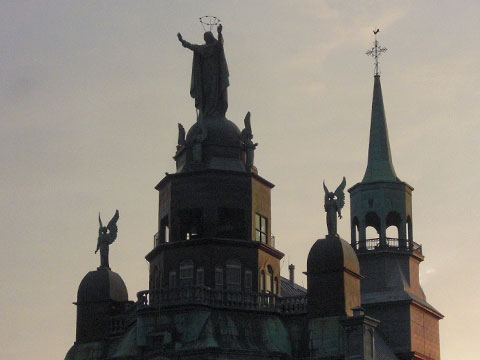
x=334 y=202
x=106 y=236
x=249 y=147
x=209 y=75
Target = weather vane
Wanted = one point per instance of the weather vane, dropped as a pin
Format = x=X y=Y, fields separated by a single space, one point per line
x=376 y=51
x=209 y=21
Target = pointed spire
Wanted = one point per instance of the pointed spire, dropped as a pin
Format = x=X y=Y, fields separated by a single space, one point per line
x=380 y=166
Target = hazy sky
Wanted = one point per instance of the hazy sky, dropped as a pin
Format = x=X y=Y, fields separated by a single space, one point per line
x=91 y=93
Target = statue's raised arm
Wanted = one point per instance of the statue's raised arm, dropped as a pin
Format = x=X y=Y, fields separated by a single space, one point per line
x=209 y=75
x=220 y=35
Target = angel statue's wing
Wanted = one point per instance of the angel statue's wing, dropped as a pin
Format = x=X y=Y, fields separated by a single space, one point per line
x=340 y=194
x=100 y=220
x=112 y=227
x=246 y=121
x=326 y=190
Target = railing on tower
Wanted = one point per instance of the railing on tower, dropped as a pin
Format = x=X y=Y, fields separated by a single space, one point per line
x=202 y=295
x=390 y=244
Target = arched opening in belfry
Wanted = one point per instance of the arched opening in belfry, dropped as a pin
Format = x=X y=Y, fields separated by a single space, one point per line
x=372 y=230
x=393 y=223
x=190 y=224
x=372 y=224
x=392 y=232
x=355 y=236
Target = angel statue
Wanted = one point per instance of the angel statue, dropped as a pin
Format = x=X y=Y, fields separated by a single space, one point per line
x=334 y=202
x=181 y=136
x=248 y=145
x=106 y=236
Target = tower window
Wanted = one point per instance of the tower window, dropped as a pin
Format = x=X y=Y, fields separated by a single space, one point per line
x=248 y=280
x=155 y=278
x=172 y=280
x=231 y=223
x=186 y=273
x=261 y=228
x=164 y=234
x=234 y=275
x=190 y=224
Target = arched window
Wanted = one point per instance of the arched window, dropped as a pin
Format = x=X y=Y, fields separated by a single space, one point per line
x=186 y=273
x=248 y=280
x=219 y=278
x=234 y=275
x=269 y=280
x=262 y=281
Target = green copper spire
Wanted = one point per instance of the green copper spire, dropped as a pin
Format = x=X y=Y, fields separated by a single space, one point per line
x=380 y=166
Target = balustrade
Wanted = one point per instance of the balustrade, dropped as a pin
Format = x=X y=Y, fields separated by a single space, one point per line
x=202 y=295
x=390 y=243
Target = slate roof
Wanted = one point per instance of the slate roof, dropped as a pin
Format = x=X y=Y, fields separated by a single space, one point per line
x=380 y=165
x=382 y=351
x=289 y=289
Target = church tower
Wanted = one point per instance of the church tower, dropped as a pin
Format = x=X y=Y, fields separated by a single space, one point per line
x=391 y=290
x=214 y=217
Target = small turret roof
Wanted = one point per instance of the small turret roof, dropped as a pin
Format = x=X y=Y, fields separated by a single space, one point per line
x=380 y=165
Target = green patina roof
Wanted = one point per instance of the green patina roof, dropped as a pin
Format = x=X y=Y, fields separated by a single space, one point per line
x=380 y=165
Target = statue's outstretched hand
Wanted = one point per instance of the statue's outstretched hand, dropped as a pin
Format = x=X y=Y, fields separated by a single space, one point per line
x=180 y=38
x=219 y=28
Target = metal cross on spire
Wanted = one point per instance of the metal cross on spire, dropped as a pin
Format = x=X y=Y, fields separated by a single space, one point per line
x=376 y=51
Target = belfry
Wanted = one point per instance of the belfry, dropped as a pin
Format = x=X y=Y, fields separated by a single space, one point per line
x=215 y=288
x=391 y=288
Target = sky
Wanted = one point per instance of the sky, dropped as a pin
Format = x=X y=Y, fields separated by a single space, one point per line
x=91 y=93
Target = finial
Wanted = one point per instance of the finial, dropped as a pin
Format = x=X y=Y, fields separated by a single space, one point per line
x=376 y=51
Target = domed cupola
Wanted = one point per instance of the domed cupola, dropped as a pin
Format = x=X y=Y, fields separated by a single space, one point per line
x=334 y=278
x=101 y=295
x=215 y=143
x=332 y=254
x=102 y=285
